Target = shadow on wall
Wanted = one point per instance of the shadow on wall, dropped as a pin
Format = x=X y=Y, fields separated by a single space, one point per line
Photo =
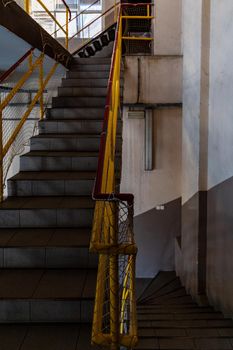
x=155 y=232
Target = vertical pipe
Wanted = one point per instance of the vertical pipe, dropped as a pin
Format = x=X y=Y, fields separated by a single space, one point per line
x=1 y=158
x=67 y=29
x=148 y=143
x=41 y=87
x=114 y=284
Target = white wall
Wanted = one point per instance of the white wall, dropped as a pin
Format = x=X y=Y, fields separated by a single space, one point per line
x=191 y=97
x=161 y=185
x=220 y=164
x=168 y=27
x=220 y=155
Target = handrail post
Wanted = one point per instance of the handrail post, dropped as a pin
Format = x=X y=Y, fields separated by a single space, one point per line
x=27 y=6
x=114 y=283
x=67 y=28
x=1 y=157
x=41 y=86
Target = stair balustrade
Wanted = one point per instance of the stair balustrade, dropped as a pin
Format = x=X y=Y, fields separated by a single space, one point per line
x=22 y=105
x=114 y=320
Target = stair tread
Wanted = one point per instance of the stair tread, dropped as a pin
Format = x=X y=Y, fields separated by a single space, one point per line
x=48 y=202
x=46 y=237
x=60 y=154
x=46 y=336
x=54 y=175
x=47 y=283
x=161 y=280
x=68 y=136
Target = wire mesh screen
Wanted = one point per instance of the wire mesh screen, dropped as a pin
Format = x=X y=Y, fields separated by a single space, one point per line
x=16 y=132
x=109 y=215
x=113 y=234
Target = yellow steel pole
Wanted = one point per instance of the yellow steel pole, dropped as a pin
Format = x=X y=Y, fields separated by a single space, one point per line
x=27 y=6
x=1 y=158
x=41 y=88
x=67 y=29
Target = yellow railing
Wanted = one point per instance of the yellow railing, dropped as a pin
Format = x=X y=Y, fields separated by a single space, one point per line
x=63 y=28
x=114 y=319
x=34 y=69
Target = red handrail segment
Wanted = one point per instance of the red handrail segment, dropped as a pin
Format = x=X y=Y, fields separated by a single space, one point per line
x=99 y=175
x=64 y=2
x=97 y=195
x=15 y=65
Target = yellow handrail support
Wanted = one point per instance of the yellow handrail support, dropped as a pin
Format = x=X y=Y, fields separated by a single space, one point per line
x=5 y=147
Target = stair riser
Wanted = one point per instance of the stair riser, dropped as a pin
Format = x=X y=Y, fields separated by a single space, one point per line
x=71 y=144
x=70 y=127
x=29 y=188
x=76 y=113
x=88 y=75
x=50 y=257
x=90 y=68
x=21 y=311
x=78 y=102
x=58 y=217
x=82 y=91
x=39 y=163
x=91 y=61
x=85 y=82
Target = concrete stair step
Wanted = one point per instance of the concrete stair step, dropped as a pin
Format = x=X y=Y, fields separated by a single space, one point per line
x=46 y=212
x=186 y=316
x=179 y=300
x=47 y=295
x=218 y=323
x=68 y=142
x=46 y=336
x=161 y=280
x=164 y=290
x=82 y=91
x=171 y=298
x=92 y=60
x=45 y=237
x=47 y=257
x=65 y=126
x=59 y=161
x=174 y=309
x=85 y=83
x=90 y=67
x=87 y=75
x=184 y=343
x=87 y=101
x=75 y=113
x=46 y=248
x=51 y=184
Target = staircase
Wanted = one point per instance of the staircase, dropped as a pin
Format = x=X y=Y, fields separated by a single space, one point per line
x=48 y=276
x=168 y=318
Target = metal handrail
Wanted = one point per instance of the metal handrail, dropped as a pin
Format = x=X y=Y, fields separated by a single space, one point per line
x=43 y=81
x=107 y=235
x=15 y=65
x=94 y=20
x=68 y=17
x=79 y=14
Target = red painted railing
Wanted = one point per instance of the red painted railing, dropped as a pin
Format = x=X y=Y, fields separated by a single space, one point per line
x=15 y=65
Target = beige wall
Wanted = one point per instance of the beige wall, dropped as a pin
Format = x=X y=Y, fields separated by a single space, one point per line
x=168 y=27
x=153 y=79
x=161 y=185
